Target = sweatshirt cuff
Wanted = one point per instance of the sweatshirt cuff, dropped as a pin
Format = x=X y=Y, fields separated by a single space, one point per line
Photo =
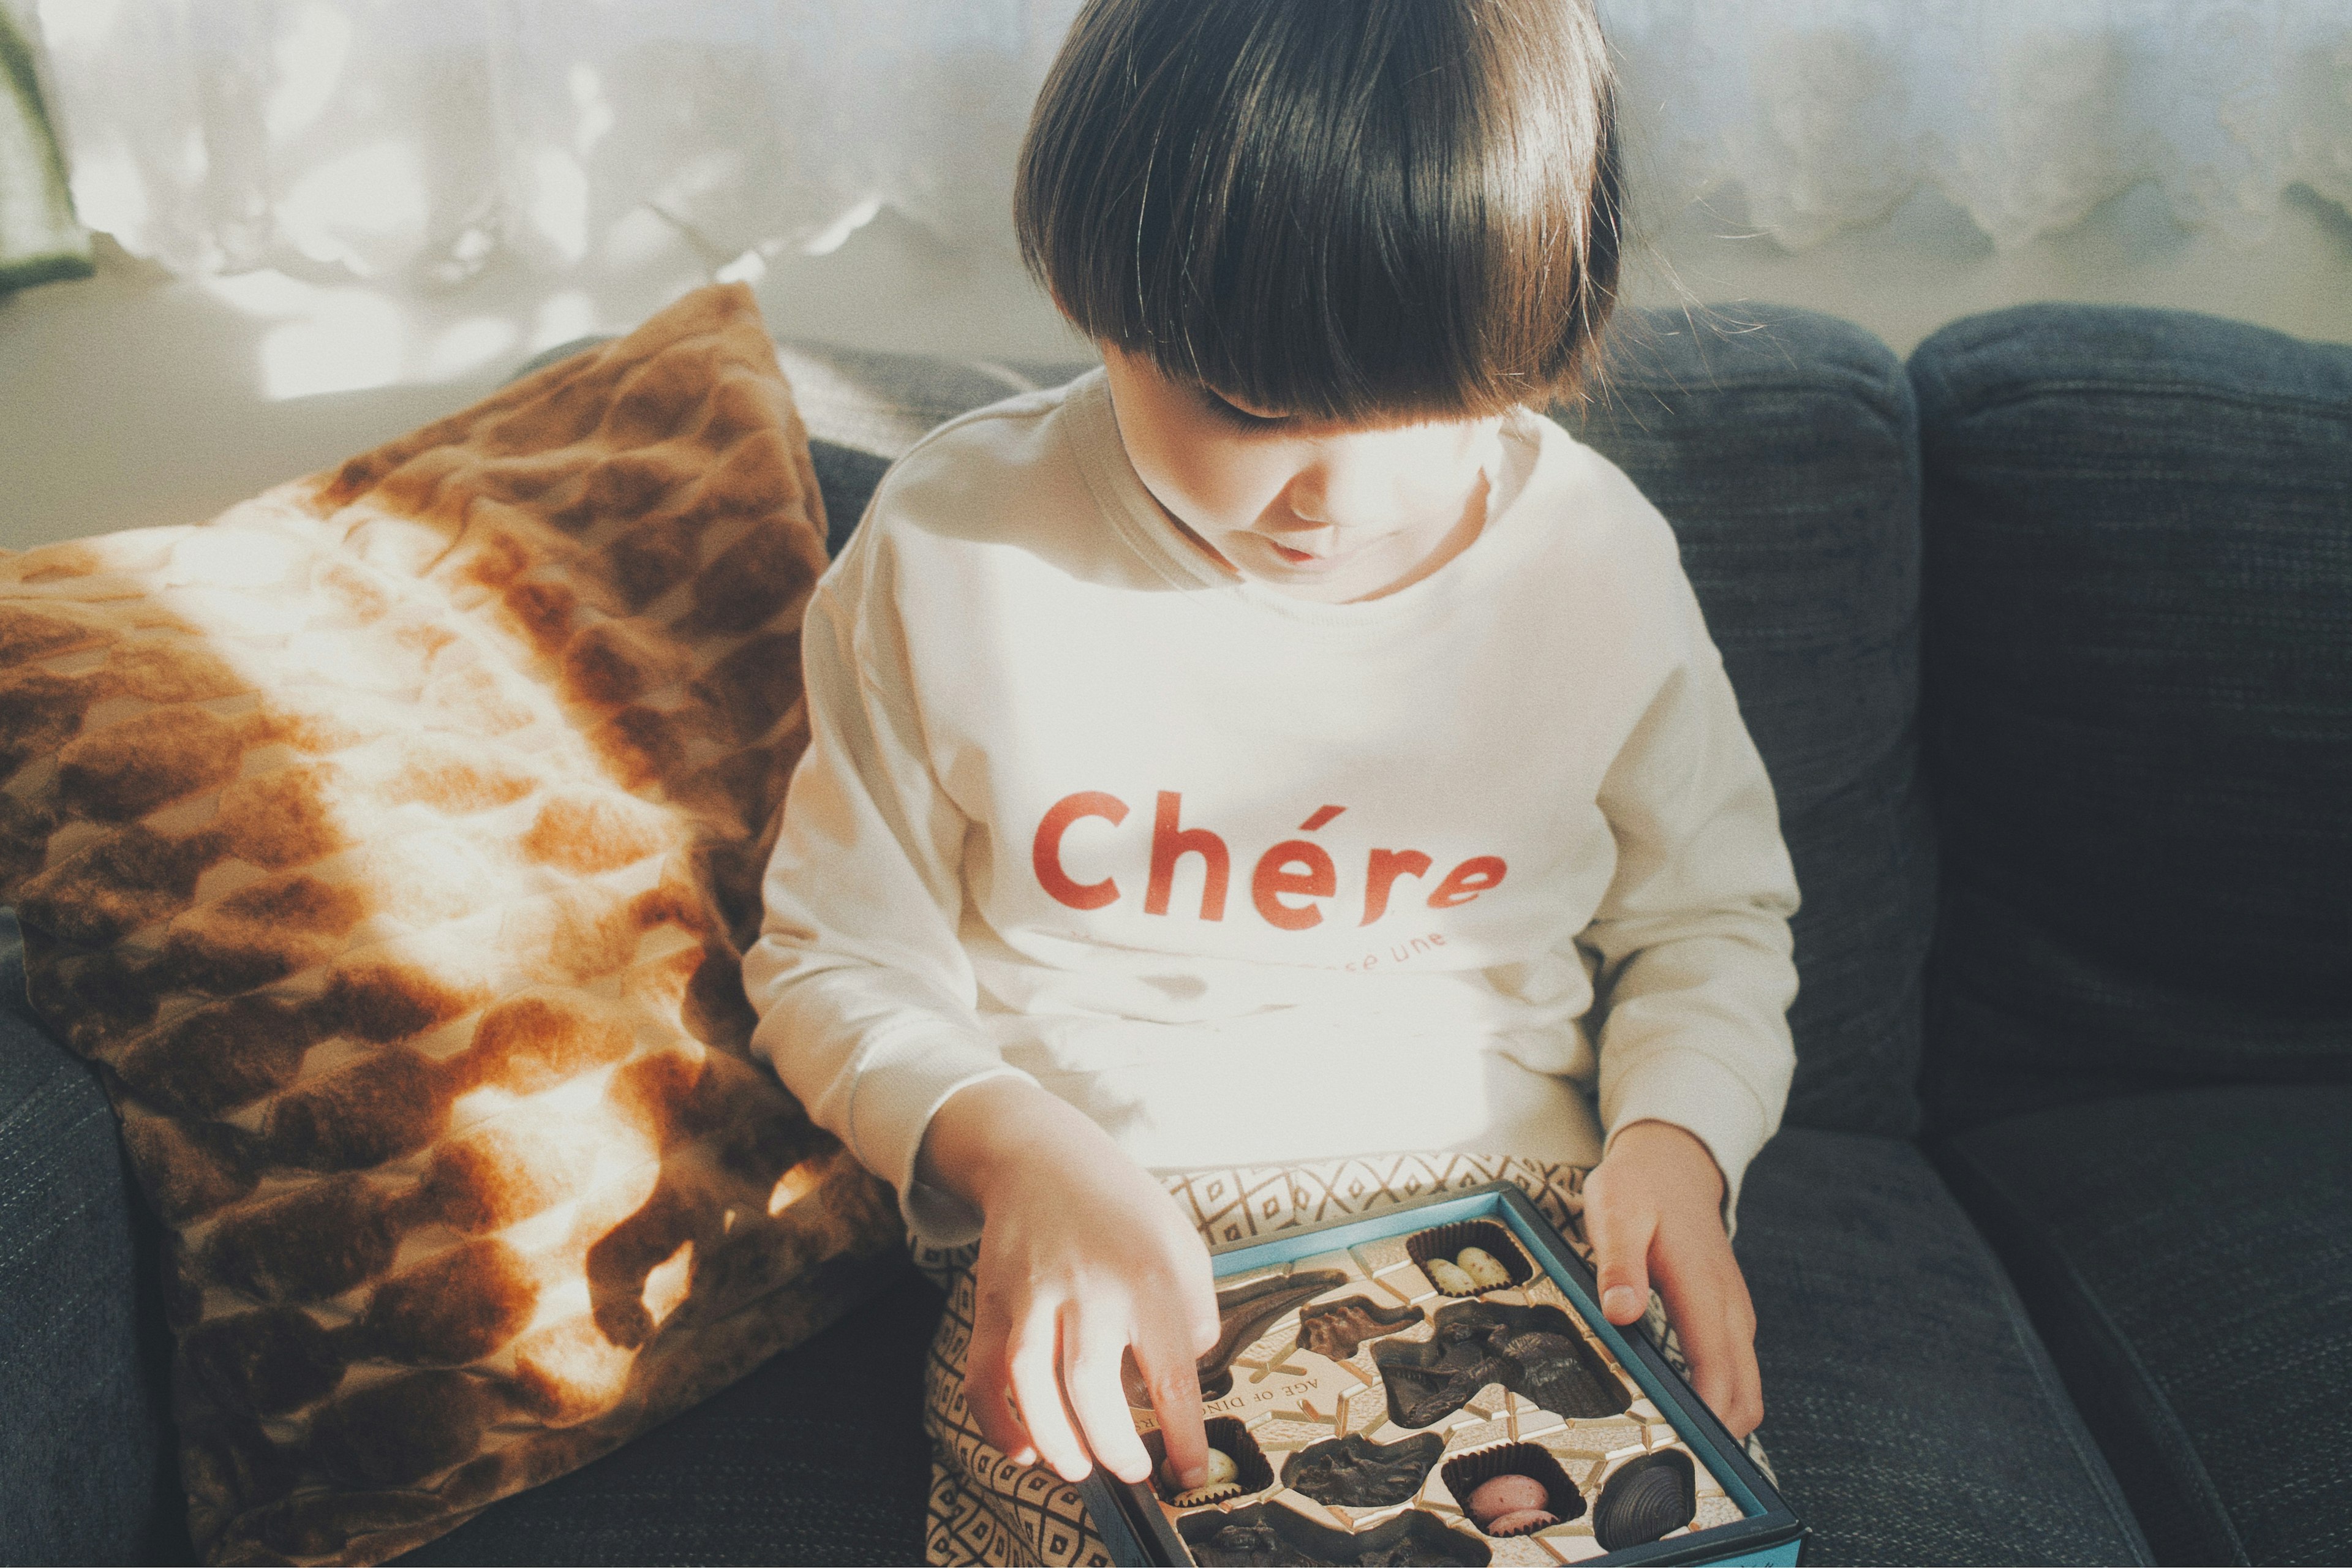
x=900 y=1087
x=1692 y=1090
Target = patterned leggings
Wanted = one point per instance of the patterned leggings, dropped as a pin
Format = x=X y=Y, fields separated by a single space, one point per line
x=985 y=1508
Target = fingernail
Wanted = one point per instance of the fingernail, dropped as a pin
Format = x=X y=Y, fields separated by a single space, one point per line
x=1620 y=1300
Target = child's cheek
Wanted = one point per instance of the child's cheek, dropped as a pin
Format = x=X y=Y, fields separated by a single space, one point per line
x=1216 y=484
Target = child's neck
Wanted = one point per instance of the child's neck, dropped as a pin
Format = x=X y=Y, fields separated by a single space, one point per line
x=1457 y=539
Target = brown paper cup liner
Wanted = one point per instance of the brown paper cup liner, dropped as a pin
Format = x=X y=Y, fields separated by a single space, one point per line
x=1446 y=1240
x=1229 y=1435
x=1464 y=1473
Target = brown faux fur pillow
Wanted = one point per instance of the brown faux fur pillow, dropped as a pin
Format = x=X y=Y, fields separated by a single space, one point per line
x=389 y=843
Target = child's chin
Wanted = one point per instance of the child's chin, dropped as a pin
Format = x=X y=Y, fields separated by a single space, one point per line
x=1335 y=587
x=1326 y=582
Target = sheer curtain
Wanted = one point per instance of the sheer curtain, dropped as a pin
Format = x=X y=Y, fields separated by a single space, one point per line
x=2026 y=113
x=415 y=142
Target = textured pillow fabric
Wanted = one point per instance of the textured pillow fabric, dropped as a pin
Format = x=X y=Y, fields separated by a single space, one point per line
x=1783 y=448
x=389 y=844
x=2139 y=704
x=864 y=409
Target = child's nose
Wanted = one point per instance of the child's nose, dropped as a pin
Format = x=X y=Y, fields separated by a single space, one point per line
x=1307 y=502
x=1335 y=490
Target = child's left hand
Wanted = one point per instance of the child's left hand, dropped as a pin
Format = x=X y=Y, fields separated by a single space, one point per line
x=1654 y=1211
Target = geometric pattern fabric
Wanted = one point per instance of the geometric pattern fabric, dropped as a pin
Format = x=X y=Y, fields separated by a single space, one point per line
x=986 y=1508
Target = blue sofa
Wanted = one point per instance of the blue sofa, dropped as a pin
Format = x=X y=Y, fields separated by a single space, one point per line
x=2046 y=639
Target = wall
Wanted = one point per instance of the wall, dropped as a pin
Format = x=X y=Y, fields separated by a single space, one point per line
x=135 y=398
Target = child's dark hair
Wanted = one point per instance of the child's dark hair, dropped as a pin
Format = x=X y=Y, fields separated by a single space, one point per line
x=1350 y=210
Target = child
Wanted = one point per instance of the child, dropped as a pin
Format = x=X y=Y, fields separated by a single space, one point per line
x=1282 y=745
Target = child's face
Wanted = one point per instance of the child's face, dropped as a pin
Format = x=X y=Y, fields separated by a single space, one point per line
x=1319 y=511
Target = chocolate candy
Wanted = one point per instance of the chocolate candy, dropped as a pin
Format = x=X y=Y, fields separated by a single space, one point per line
x=1520 y=1523
x=1498 y=1496
x=1219 y=1480
x=1335 y=1328
x=1249 y=1546
x=1449 y=1278
x=1649 y=1496
x=1355 y=1472
x=1244 y=1313
x=1484 y=1269
x=1263 y=1534
x=1534 y=1350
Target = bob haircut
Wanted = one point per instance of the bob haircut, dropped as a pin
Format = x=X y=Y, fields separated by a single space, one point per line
x=1352 y=211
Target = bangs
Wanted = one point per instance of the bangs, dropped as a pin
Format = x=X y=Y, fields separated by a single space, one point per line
x=1349 y=210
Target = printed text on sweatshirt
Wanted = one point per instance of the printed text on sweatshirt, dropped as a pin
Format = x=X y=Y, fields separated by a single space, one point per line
x=1249 y=879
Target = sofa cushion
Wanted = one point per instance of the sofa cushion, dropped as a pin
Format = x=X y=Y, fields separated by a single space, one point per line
x=2188 y=1260
x=1909 y=1407
x=817 y=1456
x=1781 y=446
x=2138 y=700
x=84 y=1453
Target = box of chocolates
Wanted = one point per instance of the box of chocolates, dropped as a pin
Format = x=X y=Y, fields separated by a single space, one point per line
x=1437 y=1385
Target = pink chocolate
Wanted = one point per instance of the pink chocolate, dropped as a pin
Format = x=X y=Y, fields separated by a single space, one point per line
x=1520 y=1523
x=1499 y=1495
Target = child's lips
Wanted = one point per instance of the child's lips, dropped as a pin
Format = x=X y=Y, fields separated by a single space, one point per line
x=1297 y=557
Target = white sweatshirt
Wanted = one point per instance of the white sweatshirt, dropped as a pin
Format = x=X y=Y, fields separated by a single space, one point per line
x=1251 y=879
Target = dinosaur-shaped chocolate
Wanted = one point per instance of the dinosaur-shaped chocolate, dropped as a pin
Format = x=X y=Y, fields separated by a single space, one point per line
x=1532 y=1350
x=1245 y=1312
x=1354 y=1471
x=1335 y=1328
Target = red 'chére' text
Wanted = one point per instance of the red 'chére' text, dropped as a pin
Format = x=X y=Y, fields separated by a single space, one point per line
x=1288 y=885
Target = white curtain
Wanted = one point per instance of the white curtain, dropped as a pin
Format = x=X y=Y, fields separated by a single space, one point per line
x=417 y=142
x=2026 y=113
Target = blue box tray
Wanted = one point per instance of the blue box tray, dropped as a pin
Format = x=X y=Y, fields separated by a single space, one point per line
x=1281 y=1401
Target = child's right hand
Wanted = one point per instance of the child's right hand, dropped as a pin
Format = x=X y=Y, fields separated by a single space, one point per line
x=1082 y=1258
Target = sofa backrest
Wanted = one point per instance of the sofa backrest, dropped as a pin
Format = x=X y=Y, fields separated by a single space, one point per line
x=2138 y=704
x=1781 y=445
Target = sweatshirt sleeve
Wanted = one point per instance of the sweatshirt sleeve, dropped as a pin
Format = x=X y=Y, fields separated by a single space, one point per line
x=865 y=995
x=1691 y=944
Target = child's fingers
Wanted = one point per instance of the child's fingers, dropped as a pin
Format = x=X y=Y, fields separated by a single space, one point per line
x=1037 y=1366
x=1735 y=1392
x=1706 y=1299
x=1090 y=1358
x=1723 y=1368
x=988 y=1387
x=1620 y=1235
x=1174 y=1382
